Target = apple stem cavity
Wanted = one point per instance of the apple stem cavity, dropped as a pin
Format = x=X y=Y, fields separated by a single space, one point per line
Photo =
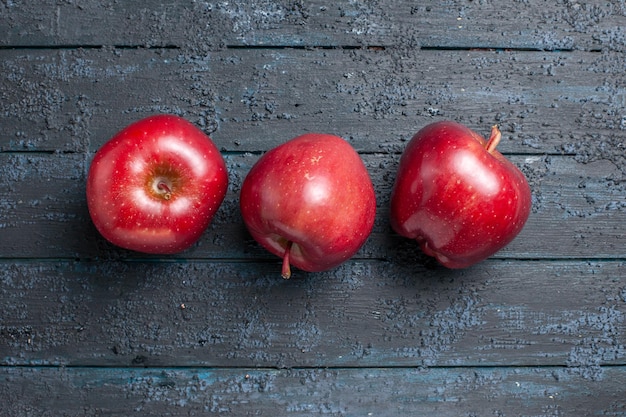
x=286 y=271
x=164 y=190
x=494 y=139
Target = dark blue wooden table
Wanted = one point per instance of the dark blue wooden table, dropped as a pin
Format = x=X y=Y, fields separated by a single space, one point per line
x=539 y=329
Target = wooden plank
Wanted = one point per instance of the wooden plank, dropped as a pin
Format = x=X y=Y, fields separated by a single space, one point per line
x=578 y=211
x=199 y=26
x=363 y=314
x=251 y=100
x=300 y=392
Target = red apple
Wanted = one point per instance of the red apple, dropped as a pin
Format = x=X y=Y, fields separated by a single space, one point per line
x=459 y=197
x=309 y=201
x=155 y=186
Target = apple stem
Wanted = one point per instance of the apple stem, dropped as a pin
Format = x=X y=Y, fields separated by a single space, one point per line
x=286 y=271
x=494 y=139
x=167 y=193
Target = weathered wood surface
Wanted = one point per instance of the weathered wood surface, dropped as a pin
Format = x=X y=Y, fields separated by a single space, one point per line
x=301 y=392
x=537 y=330
x=545 y=102
x=365 y=313
x=529 y=24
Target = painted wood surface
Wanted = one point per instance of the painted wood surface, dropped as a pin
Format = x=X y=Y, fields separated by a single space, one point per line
x=528 y=24
x=364 y=313
x=335 y=392
x=537 y=330
x=73 y=100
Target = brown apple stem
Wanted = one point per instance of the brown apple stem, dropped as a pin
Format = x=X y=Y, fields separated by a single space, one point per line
x=286 y=271
x=167 y=193
x=494 y=139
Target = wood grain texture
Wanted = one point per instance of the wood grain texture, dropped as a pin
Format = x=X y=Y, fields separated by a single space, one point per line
x=252 y=100
x=304 y=392
x=578 y=212
x=371 y=314
x=530 y=24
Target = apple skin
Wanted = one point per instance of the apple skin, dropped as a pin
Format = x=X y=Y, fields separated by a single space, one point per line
x=459 y=197
x=155 y=186
x=309 y=201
